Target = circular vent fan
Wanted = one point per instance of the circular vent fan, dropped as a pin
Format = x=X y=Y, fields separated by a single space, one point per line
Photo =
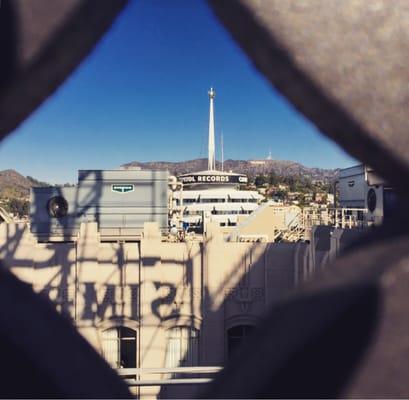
x=57 y=207
x=371 y=200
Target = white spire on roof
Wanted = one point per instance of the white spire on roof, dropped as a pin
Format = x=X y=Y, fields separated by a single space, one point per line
x=211 y=156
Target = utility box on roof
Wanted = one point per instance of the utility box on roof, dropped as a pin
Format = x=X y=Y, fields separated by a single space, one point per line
x=360 y=187
x=120 y=201
x=352 y=187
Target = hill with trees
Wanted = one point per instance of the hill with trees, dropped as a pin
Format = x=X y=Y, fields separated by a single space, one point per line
x=15 y=191
x=251 y=168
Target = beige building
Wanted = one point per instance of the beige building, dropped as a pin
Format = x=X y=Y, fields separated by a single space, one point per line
x=154 y=304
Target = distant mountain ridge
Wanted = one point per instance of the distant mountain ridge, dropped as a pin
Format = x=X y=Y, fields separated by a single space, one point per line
x=13 y=184
x=248 y=167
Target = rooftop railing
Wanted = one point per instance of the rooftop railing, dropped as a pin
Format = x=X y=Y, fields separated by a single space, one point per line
x=337 y=217
x=133 y=376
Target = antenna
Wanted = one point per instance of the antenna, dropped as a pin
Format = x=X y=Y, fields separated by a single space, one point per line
x=211 y=154
x=221 y=140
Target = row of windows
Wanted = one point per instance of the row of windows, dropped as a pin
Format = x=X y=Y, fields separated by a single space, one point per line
x=218 y=212
x=230 y=212
x=120 y=350
x=243 y=200
x=206 y=201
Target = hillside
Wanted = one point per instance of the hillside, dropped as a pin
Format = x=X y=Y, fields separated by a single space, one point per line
x=13 y=184
x=250 y=168
x=15 y=190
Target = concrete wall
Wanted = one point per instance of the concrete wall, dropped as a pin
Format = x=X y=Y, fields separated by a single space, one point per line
x=327 y=243
x=268 y=219
x=320 y=246
x=151 y=286
x=341 y=238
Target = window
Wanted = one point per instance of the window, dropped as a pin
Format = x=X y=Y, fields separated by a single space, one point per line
x=182 y=347
x=215 y=200
x=119 y=347
x=236 y=335
x=192 y=212
x=189 y=201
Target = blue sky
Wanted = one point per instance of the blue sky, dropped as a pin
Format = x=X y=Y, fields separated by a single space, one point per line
x=142 y=95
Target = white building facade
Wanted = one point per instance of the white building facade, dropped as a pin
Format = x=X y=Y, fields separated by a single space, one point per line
x=214 y=195
x=223 y=205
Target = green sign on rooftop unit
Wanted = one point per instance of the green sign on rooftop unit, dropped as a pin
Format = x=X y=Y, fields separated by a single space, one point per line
x=122 y=188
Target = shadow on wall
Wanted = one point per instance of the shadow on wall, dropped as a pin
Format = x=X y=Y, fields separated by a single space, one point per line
x=236 y=293
x=332 y=99
x=203 y=304
x=201 y=299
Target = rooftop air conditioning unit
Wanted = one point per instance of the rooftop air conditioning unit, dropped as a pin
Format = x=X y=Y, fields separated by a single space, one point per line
x=119 y=201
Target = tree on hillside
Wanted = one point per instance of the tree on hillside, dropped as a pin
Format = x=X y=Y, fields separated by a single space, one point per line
x=18 y=207
x=273 y=179
x=260 y=180
x=37 y=183
x=280 y=194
